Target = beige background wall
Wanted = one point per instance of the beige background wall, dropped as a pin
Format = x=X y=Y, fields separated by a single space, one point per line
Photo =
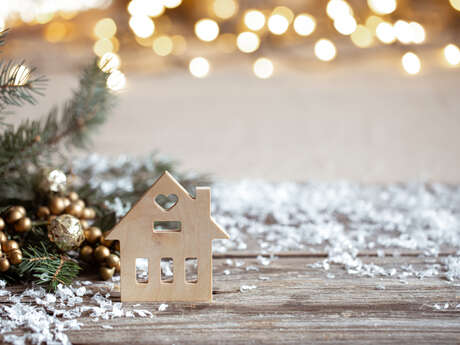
x=360 y=120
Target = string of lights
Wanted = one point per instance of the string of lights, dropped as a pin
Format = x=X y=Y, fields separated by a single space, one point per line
x=172 y=28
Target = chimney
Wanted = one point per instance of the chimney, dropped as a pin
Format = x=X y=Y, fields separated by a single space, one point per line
x=203 y=196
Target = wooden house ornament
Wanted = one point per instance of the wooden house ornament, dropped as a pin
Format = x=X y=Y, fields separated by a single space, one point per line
x=178 y=232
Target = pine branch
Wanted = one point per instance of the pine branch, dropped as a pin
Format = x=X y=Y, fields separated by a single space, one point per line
x=18 y=86
x=33 y=142
x=47 y=266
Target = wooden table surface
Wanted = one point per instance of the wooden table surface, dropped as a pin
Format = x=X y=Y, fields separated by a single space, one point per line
x=295 y=303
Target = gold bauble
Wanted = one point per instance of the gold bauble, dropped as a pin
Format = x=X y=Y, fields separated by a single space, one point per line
x=81 y=203
x=105 y=242
x=88 y=213
x=86 y=253
x=67 y=202
x=9 y=246
x=113 y=261
x=93 y=234
x=57 y=205
x=73 y=196
x=2 y=224
x=3 y=237
x=23 y=225
x=43 y=212
x=74 y=210
x=20 y=209
x=4 y=264
x=13 y=216
x=15 y=256
x=66 y=232
x=101 y=253
x=84 y=224
x=106 y=272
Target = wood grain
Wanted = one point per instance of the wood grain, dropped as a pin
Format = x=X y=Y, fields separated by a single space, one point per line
x=139 y=239
x=297 y=304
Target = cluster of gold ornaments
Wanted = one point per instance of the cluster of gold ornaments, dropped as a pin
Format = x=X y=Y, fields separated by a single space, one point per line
x=69 y=222
x=70 y=226
x=98 y=249
x=10 y=253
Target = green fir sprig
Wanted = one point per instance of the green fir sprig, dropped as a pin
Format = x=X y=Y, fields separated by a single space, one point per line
x=47 y=266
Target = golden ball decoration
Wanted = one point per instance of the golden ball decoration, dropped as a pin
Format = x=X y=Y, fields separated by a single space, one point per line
x=113 y=261
x=23 y=225
x=88 y=213
x=86 y=253
x=66 y=232
x=57 y=205
x=43 y=212
x=105 y=242
x=3 y=238
x=84 y=224
x=15 y=256
x=9 y=245
x=20 y=209
x=67 y=202
x=81 y=203
x=2 y=224
x=73 y=196
x=74 y=210
x=13 y=216
x=93 y=234
x=106 y=272
x=101 y=253
x=4 y=264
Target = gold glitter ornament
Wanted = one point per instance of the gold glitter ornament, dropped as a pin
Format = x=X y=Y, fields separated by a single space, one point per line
x=53 y=181
x=2 y=224
x=66 y=232
x=3 y=237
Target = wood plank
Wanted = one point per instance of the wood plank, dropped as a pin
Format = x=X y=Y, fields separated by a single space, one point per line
x=296 y=304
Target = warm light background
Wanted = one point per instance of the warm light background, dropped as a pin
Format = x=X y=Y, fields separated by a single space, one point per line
x=360 y=117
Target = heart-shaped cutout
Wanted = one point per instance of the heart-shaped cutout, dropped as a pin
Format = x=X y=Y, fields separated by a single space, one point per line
x=166 y=202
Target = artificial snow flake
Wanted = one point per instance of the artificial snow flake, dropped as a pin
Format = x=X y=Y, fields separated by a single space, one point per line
x=48 y=316
x=162 y=307
x=245 y=288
